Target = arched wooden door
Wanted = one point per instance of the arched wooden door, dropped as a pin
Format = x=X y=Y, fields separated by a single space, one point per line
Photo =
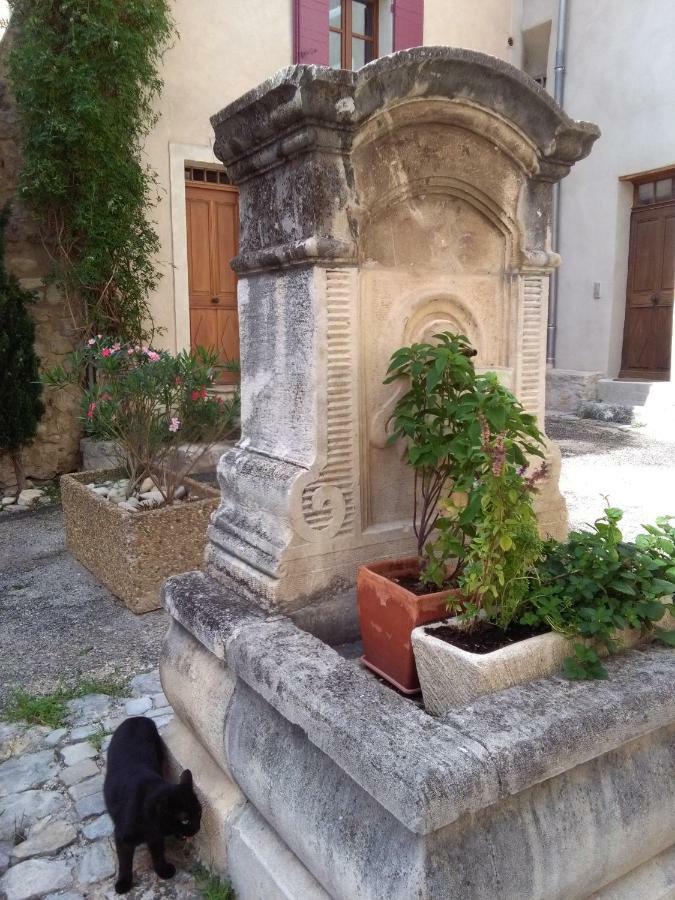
x=212 y=240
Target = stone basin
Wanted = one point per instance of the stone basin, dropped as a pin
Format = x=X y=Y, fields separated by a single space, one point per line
x=319 y=781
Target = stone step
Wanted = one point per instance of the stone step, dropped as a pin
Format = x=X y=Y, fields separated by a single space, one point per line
x=621 y=392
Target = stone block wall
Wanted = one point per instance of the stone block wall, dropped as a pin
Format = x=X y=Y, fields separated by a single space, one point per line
x=56 y=447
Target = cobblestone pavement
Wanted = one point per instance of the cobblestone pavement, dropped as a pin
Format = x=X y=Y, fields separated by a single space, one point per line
x=630 y=468
x=55 y=836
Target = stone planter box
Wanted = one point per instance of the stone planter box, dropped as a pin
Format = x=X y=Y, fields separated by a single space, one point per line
x=451 y=677
x=132 y=553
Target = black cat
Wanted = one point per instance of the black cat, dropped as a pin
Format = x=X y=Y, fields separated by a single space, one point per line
x=144 y=807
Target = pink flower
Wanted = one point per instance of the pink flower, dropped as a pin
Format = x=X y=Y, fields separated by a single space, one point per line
x=106 y=351
x=90 y=411
x=91 y=341
x=174 y=424
x=116 y=347
x=178 y=379
x=130 y=350
x=104 y=397
x=152 y=356
x=99 y=336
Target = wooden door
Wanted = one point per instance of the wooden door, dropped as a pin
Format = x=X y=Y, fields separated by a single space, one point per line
x=649 y=301
x=212 y=237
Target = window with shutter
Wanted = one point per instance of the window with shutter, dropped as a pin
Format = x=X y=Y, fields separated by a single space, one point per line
x=347 y=34
x=408 y=24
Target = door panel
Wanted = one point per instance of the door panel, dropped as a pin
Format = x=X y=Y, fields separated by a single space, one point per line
x=226 y=225
x=213 y=228
x=646 y=238
x=668 y=276
x=649 y=301
x=199 y=259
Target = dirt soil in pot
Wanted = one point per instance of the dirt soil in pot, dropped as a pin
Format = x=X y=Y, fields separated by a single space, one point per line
x=483 y=637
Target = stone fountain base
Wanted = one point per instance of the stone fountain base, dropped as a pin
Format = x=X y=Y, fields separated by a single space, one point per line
x=320 y=782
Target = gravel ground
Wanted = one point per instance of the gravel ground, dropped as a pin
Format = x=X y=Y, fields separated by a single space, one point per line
x=57 y=623
x=634 y=471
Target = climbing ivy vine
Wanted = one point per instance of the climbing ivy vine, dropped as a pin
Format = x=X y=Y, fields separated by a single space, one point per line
x=85 y=77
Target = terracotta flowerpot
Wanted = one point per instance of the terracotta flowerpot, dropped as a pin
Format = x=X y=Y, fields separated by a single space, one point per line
x=388 y=613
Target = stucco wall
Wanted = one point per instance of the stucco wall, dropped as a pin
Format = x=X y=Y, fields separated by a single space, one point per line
x=484 y=25
x=619 y=75
x=223 y=50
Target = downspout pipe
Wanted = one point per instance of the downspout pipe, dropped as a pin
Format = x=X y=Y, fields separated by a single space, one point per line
x=558 y=95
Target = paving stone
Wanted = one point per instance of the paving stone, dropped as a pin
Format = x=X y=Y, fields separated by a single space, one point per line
x=73 y=774
x=160 y=713
x=159 y=700
x=25 y=740
x=87 y=788
x=75 y=753
x=55 y=737
x=163 y=721
x=83 y=731
x=97 y=863
x=138 y=706
x=101 y=827
x=147 y=683
x=65 y=895
x=8 y=731
x=84 y=710
x=113 y=722
x=34 y=877
x=92 y=805
x=5 y=850
x=22 y=810
x=28 y=771
x=53 y=837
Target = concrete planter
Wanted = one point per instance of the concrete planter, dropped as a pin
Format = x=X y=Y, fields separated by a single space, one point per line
x=132 y=553
x=388 y=613
x=452 y=677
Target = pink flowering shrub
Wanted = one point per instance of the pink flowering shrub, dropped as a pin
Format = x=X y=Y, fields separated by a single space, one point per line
x=150 y=403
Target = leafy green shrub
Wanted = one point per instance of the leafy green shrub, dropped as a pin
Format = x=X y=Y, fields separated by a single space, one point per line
x=444 y=418
x=150 y=403
x=21 y=407
x=595 y=584
x=506 y=542
x=85 y=79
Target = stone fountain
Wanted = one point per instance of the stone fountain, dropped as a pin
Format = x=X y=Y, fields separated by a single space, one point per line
x=379 y=207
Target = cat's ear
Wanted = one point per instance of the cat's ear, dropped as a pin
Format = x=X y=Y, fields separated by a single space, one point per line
x=186 y=778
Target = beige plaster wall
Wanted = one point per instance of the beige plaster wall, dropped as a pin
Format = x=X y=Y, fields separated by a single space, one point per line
x=484 y=25
x=619 y=75
x=223 y=50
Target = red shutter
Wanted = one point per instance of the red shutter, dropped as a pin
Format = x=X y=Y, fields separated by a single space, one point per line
x=408 y=23
x=311 y=32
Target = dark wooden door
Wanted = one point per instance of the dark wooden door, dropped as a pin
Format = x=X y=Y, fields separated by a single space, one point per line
x=649 y=302
x=212 y=236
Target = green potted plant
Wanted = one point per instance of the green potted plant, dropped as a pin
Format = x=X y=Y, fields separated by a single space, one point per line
x=577 y=601
x=136 y=524
x=439 y=419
